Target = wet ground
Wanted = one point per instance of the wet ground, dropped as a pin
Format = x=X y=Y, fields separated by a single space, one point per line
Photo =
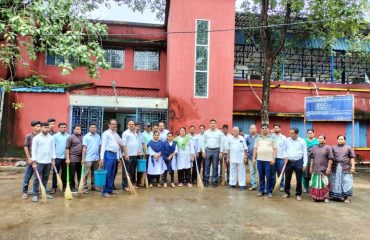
x=182 y=213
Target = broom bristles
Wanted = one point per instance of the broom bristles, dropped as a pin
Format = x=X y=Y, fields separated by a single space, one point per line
x=199 y=181
x=81 y=186
x=130 y=185
x=146 y=181
x=68 y=193
x=59 y=183
x=277 y=184
x=43 y=193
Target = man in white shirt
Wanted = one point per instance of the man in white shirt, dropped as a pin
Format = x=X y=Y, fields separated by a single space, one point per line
x=212 y=143
x=279 y=161
x=226 y=136
x=195 y=140
x=110 y=147
x=131 y=151
x=237 y=158
x=199 y=150
x=43 y=158
x=162 y=131
x=296 y=160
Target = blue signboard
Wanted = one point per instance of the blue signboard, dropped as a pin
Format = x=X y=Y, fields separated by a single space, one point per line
x=329 y=108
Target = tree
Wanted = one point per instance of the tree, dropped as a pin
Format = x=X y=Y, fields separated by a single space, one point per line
x=57 y=26
x=327 y=19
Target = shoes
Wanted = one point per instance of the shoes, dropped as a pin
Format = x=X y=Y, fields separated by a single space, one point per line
x=49 y=196
x=189 y=185
x=165 y=185
x=243 y=188
x=73 y=190
x=299 y=198
x=53 y=191
x=159 y=185
x=230 y=186
x=326 y=201
x=96 y=189
x=35 y=199
x=24 y=196
x=206 y=184
x=114 y=192
x=252 y=188
x=281 y=189
x=173 y=185
x=286 y=195
x=106 y=195
x=180 y=185
x=269 y=195
x=260 y=194
x=126 y=189
x=214 y=184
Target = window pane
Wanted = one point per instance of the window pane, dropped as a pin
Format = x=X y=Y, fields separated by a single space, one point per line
x=201 y=84
x=50 y=59
x=146 y=60
x=115 y=58
x=202 y=58
x=202 y=32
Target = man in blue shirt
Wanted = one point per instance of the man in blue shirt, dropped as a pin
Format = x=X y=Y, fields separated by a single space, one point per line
x=90 y=156
x=60 y=140
x=252 y=167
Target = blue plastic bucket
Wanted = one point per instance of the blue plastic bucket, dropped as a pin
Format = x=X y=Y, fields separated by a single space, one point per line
x=141 y=165
x=100 y=177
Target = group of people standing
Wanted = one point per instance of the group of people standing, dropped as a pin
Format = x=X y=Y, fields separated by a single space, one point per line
x=321 y=170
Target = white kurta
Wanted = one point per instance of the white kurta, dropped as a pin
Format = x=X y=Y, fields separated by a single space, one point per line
x=159 y=165
x=183 y=158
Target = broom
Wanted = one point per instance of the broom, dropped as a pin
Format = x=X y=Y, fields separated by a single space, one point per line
x=199 y=178
x=223 y=171
x=59 y=180
x=68 y=193
x=81 y=186
x=42 y=188
x=130 y=185
x=277 y=184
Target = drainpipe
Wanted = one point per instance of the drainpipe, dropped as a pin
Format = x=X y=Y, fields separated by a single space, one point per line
x=1 y=106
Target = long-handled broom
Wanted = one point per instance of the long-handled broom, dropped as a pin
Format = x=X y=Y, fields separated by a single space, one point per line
x=42 y=188
x=199 y=178
x=223 y=171
x=59 y=180
x=277 y=184
x=81 y=185
x=130 y=185
x=68 y=193
x=146 y=175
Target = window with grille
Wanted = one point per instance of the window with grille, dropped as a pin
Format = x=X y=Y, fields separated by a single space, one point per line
x=85 y=116
x=115 y=57
x=201 y=59
x=151 y=115
x=55 y=60
x=146 y=60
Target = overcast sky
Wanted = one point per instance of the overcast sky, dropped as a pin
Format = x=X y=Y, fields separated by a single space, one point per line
x=123 y=13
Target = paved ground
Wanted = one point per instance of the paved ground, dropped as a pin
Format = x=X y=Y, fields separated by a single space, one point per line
x=182 y=213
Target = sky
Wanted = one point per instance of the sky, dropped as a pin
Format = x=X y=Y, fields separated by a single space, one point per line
x=123 y=13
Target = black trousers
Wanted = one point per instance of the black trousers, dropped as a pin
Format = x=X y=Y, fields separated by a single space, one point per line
x=296 y=167
x=60 y=165
x=200 y=162
x=153 y=178
x=74 y=168
x=131 y=169
x=184 y=175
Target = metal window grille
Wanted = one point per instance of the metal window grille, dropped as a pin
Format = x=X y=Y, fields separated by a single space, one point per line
x=151 y=115
x=85 y=116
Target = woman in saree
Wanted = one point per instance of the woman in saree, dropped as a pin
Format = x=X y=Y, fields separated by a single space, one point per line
x=320 y=168
x=341 y=180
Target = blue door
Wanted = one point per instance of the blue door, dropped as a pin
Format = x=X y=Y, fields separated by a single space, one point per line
x=244 y=123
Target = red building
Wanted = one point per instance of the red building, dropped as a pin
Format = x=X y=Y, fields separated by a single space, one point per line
x=183 y=78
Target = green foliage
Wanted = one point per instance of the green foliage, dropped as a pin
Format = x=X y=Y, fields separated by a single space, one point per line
x=58 y=26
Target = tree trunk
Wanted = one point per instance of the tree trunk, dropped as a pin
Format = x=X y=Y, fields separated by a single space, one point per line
x=265 y=109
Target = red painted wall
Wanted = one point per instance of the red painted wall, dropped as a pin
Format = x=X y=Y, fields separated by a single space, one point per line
x=184 y=109
x=39 y=106
x=127 y=77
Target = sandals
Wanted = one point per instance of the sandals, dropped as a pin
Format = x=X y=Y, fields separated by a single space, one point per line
x=165 y=185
